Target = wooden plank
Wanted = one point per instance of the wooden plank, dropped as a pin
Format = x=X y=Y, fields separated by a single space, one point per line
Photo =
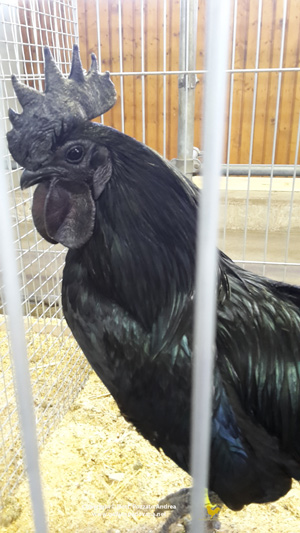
x=248 y=82
x=128 y=45
x=151 y=82
x=263 y=80
x=173 y=9
x=294 y=125
x=231 y=47
x=289 y=107
x=239 y=80
x=292 y=59
x=160 y=82
x=83 y=29
x=136 y=58
x=110 y=54
x=29 y=51
x=273 y=79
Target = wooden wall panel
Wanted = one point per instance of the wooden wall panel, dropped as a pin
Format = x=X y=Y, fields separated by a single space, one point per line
x=243 y=83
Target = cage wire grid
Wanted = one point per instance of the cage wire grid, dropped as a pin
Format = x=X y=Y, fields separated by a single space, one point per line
x=58 y=369
x=283 y=265
x=26 y=26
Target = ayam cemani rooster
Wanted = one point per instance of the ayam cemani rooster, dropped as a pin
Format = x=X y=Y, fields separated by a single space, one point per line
x=129 y=220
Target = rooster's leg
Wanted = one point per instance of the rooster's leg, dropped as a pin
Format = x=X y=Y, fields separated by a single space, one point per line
x=179 y=505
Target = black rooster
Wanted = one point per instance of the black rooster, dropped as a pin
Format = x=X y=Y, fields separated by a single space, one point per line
x=129 y=219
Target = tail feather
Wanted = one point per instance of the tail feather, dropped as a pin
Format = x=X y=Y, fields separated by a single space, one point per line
x=247 y=464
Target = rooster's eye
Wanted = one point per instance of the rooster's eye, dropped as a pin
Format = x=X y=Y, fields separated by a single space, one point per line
x=75 y=154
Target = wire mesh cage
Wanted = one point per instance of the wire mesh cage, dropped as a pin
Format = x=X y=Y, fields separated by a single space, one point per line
x=58 y=370
x=153 y=51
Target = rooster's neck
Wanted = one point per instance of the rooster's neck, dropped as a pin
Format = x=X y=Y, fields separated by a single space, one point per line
x=141 y=254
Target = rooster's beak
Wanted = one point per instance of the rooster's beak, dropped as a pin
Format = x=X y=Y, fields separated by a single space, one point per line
x=29 y=178
x=32 y=177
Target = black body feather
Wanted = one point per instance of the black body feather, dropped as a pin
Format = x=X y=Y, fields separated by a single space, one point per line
x=128 y=299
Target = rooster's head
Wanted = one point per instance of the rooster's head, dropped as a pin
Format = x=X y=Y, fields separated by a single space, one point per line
x=70 y=170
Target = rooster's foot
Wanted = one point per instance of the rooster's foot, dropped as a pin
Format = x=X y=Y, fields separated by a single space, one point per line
x=179 y=505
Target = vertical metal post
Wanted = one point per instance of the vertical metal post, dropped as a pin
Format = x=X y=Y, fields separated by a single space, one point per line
x=18 y=345
x=217 y=38
x=186 y=85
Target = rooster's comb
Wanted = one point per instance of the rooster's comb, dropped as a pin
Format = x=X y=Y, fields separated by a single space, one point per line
x=65 y=100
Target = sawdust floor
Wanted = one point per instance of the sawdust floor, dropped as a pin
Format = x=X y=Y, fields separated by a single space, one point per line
x=99 y=475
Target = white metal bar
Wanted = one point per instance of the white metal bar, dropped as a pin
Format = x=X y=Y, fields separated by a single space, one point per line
x=228 y=71
x=143 y=70
x=217 y=16
x=271 y=263
x=18 y=344
x=145 y=73
x=164 y=79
